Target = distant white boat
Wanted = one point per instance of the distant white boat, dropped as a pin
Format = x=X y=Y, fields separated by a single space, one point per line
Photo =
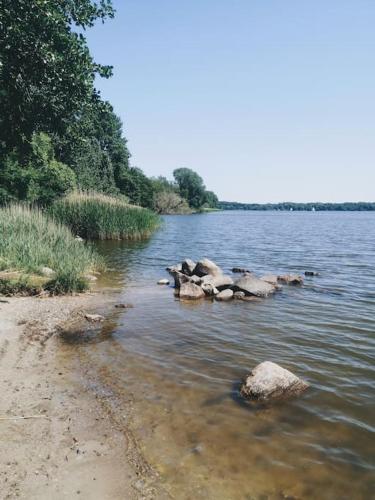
x=291 y=209
x=313 y=209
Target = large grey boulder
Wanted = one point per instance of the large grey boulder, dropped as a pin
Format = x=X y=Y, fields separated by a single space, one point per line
x=219 y=281
x=270 y=381
x=190 y=291
x=224 y=295
x=253 y=286
x=206 y=266
x=291 y=279
x=188 y=267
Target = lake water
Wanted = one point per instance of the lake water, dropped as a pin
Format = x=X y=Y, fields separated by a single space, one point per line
x=182 y=362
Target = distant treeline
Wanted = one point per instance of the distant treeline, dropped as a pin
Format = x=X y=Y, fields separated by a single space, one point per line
x=341 y=207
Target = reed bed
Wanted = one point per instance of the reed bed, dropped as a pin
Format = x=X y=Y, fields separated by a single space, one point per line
x=29 y=241
x=97 y=216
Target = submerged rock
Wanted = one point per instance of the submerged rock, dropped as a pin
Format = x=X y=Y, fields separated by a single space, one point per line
x=190 y=291
x=251 y=285
x=270 y=381
x=163 y=281
x=124 y=306
x=311 y=273
x=291 y=279
x=206 y=266
x=240 y=270
x=224 y=295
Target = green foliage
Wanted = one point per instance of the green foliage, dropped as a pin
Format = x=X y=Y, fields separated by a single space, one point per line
x=96 y=216
x=169 y=202
x=30 y=241
x=56 y=133
x=46 y=70
x=136 y=186
x=41 y=180
x=192 y=188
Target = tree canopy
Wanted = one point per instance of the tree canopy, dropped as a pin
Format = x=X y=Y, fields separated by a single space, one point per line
x=49 y=104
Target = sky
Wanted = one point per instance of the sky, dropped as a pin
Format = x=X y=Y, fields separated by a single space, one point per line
x=268 y=101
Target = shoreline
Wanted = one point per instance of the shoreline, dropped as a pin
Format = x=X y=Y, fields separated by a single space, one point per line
x=60 y=438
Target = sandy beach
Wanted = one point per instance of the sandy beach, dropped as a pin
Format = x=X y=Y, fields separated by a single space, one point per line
x=59 y=438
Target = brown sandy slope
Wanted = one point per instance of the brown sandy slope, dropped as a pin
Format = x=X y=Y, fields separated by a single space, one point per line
x=73 y=448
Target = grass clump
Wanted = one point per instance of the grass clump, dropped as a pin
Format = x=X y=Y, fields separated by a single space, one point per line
x=29 y=241
x=97 y=216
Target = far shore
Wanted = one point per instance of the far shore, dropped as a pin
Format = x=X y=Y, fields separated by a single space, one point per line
x=58 y=440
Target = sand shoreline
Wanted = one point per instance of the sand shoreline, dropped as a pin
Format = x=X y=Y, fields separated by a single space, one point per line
x=72 y=444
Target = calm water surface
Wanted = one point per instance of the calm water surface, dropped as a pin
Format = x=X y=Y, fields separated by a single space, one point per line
x=182 y=362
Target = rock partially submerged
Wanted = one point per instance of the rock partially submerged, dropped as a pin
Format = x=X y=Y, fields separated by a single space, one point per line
x=251 y=285
x=291 y=279
x=311 y=273
x=94 y=318
x=190 y=291
x=163 y=281
x=241 y=270
x=269 y=381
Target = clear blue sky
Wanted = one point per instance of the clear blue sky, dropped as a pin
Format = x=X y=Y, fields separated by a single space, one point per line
x=268 y=100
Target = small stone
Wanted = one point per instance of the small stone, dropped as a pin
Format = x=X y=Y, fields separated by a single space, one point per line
x=311 y=273
x=163 y=281
x=93 y=318
x=47 y=271
x=239 y=295
x=124 y=306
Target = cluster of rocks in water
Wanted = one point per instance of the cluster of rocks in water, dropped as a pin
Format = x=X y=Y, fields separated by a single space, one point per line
x=196 y=280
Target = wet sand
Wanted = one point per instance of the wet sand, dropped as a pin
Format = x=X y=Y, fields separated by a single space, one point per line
x=59 y=437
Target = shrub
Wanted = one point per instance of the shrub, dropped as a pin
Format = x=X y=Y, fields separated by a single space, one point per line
x=97 y=216
x=30 y=241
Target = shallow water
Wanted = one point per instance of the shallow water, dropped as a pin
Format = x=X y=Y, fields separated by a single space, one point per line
x=183 y=361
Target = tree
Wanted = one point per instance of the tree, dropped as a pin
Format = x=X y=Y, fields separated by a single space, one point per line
x=211 y=200
x=46 y=70
x=190 y=186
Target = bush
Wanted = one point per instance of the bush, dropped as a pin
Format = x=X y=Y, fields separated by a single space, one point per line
x=40 y=180
x=30 y=241
x=168 y=202
x=97 y=216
